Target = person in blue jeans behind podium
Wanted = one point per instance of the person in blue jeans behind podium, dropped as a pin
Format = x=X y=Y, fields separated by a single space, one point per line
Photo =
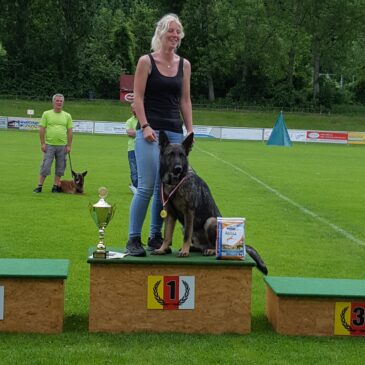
x=130 y=126
x=162 y=102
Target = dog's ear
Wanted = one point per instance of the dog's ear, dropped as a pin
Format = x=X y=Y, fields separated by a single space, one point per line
x=73 y=173
x=188 y=143
x=163 y=140
x=84 y=173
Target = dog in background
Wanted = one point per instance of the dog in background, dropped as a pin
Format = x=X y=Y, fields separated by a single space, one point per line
x=74 y=186
x=187 y=198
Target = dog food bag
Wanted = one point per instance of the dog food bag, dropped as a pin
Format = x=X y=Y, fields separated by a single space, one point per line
x=230 y=243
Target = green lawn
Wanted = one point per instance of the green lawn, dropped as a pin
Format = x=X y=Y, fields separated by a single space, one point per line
x=116 y=111
x=304 y=207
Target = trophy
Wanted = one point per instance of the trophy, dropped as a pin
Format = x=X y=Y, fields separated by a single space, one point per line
x=102 y=213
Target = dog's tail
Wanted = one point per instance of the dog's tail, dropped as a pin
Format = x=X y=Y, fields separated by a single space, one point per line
x=257 y=258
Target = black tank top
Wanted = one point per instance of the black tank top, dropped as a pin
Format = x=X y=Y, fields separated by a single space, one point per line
x=162 y=99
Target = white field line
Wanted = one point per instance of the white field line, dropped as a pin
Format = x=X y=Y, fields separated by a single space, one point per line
x=288 y=200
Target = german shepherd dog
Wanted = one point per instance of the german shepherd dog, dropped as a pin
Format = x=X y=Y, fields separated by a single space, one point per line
x=74 y=186
x=187 y=198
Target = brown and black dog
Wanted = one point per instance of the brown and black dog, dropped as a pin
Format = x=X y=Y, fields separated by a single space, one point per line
x=74 y=186
x=187 y=198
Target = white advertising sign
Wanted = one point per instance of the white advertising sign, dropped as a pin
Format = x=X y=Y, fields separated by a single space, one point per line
x=83 y=126
x=248 y=134
x=3 y=122
x=110 y=128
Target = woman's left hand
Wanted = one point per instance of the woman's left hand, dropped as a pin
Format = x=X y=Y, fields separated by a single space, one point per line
x=149 y=134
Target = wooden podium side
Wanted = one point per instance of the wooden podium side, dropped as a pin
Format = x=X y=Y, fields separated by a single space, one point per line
x=306 y=306
x=33 y=299
x=118 y=295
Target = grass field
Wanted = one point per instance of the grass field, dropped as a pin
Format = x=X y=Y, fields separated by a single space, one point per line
x=304 y=207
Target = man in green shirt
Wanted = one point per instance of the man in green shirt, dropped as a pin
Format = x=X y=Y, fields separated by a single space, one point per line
x=55 y=133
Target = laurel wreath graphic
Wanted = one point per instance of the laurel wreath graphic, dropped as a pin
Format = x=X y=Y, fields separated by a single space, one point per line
x=345 y=324
x=182 y=300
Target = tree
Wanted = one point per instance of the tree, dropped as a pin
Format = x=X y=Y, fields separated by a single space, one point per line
x=108 y=52
x=332 y=26
x=210 y=42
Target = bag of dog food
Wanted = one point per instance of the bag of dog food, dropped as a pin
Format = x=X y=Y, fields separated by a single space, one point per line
x=230 y=243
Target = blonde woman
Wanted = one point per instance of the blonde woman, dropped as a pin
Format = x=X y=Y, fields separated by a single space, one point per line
x=162 y=102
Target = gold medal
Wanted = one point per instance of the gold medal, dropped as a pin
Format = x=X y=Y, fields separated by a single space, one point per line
x=163 y=214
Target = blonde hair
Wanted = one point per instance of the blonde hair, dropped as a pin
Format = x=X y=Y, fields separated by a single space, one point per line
x=162 y=27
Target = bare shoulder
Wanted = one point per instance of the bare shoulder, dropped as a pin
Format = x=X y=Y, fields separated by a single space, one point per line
x=144 y=64
x=144 y=60
x=187 y=65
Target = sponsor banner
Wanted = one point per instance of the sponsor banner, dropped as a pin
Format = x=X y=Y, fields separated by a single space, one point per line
x=1 y=303
x=356 y=137
x=23 y=124
x=126 y=96
x=203 y=132
x=83 y=126
x=3 y=122
x=349 y=319
x=251 y=134
x=110 y=128
x=170 y=292
x=327 y=137
x=295 y=135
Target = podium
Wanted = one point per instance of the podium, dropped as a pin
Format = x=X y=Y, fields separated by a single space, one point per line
x=315 y=306
x=195 y=294
x=32 y=295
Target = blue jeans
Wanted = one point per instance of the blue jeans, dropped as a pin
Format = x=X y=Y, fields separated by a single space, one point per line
x=133 y=168
x=148 y=166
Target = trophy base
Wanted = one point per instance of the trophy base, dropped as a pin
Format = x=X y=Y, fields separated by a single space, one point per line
x=100 y=254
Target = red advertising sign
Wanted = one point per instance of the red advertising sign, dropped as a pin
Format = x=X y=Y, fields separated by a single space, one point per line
x=323 y=136
x=126 y=88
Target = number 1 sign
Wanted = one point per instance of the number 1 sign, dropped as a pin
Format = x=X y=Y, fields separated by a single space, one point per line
x=171 y=292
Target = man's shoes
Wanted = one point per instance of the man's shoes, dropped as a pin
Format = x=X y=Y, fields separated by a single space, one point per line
x=154 y=243
x=133 y=189
x=38 y=189
x=56 y=189
x=134 y=247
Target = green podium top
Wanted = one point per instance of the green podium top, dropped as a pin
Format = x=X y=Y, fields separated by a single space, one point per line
x=34 y=268
x=315 y=287
x=195 y=258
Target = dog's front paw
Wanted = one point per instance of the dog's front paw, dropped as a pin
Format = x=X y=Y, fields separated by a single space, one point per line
x=209 y=252
x=183 y=253
x=161 y=251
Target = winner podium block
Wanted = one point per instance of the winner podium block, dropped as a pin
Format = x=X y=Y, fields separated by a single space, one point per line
x=196 y=294
x=32 y=295
x=316 y=307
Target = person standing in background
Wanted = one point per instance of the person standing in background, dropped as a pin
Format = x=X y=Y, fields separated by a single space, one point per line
x=55 y=133
x=130 y=126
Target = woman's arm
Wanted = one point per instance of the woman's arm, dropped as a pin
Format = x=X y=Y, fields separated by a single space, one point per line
x=140 y=81
x=185 y=100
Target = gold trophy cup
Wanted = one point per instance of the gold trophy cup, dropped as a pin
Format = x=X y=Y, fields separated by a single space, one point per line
x=102 y=213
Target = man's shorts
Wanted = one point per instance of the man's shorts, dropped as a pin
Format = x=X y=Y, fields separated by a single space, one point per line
x=53 y=152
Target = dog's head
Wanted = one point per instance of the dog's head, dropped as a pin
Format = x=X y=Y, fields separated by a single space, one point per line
x=173 y=158
x=78 y=179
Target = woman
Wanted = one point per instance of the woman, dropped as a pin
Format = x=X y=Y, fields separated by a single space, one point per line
x=161 y=97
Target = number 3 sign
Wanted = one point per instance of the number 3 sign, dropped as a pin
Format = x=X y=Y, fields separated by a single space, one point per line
x=350 y=319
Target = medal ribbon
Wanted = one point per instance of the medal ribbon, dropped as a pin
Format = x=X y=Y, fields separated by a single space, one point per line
x=164 y=202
